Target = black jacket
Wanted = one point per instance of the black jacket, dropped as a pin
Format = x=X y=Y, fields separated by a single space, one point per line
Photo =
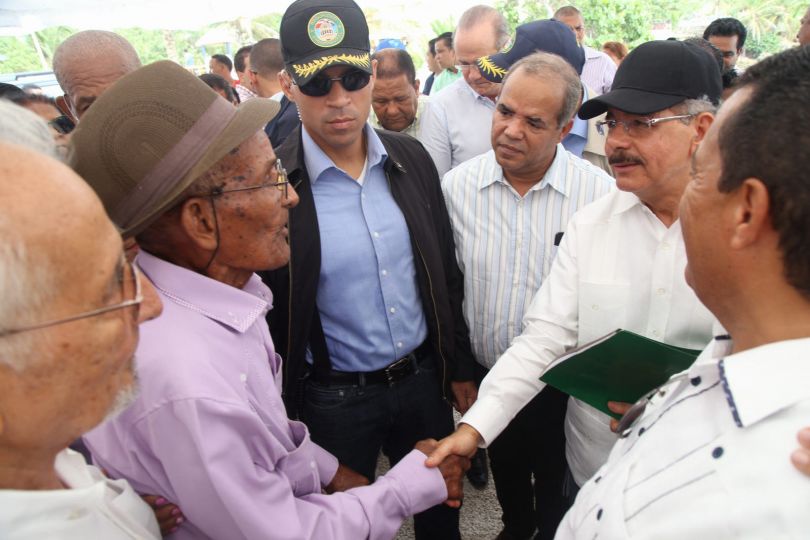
x=294 y=320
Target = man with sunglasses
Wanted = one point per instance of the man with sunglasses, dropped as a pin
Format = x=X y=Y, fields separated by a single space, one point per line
x=69 y=322
x=370 y=323
x=621 y=261
x=196 y=181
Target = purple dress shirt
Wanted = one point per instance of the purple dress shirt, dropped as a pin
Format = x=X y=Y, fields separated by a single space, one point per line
x=209 y=430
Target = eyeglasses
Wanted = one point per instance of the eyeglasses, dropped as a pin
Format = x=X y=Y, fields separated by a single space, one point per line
x=320 y=85
x=280 y=182
x=728 y=54
x=130 y=289
x=636 y=127
x=62 y=124
x=466 y=67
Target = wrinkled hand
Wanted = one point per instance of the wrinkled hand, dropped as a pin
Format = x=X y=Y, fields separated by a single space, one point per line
x=168 y=515
x=345 y=479
x=619 y=407
x=452 y=468
x=464 y=395
x=801 y=457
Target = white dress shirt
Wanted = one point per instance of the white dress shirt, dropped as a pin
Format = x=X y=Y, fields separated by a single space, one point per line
x=92 y=506
x=598 y=71
x=505 y=243
x=457 y=126
x=709 y=458
x=618 y=266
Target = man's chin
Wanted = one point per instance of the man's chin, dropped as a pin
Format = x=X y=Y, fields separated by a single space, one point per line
x=124 y=398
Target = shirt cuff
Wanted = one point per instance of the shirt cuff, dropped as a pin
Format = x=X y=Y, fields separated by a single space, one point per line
x=485 y=417
x=327 y=464
x=423 y=486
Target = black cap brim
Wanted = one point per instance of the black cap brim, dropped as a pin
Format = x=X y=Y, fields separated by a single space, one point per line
x=494 y=67
x=628 y=100
x=303 y=70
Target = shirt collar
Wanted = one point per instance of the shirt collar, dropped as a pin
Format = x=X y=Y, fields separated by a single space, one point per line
x=317 y=162
x=235 y=308
x=580 y=128
x=554 y=177
x=762 y=381
x=473 y=93
x=590 y=54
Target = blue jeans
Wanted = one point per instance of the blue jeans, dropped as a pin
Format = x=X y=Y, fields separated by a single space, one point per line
x=354 y=422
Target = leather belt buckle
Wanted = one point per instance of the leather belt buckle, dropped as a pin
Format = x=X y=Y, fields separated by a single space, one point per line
x=396 y=371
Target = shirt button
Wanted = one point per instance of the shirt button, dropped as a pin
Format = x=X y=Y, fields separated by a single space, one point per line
x=717 y=453
x=662 y=291
x=641 y=431
x=599 y=515
x=376 y=234
x=243 y=377
x=696 y=381
x=313 y=465
x=595 y=307
x=385 y=272
x=399 y=344
x=393 y=310
x=665 y=245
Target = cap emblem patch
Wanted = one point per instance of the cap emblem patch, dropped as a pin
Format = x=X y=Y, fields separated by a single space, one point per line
x=325 y=29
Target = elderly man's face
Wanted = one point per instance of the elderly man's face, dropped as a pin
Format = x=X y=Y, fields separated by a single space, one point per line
x=524 y=127
x=395 y=102
x=253 y=222
x=650 y=162
x=86 y=81
x=470 y=45
x=704 y=211
x=82 y=370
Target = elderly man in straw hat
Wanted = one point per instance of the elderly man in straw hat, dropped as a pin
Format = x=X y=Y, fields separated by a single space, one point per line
x=197 y=183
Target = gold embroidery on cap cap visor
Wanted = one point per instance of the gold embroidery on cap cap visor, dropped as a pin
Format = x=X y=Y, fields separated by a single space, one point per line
x=310 y=68
x=325 y=29
x=488 y=66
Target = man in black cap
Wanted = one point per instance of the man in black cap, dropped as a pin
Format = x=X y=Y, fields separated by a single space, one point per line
x=584 y=140
x=368 y=316
x=621 y=261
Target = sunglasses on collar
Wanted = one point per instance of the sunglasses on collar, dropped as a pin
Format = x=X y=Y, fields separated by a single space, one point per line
x=321 y=84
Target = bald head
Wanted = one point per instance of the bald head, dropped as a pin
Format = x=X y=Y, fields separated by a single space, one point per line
x=50 y=225
x=89 y=62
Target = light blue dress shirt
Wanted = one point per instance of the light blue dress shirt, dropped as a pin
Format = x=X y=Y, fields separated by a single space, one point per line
x=367 y=297
x=577 y=138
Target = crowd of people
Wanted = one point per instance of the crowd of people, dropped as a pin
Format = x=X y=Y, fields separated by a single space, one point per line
x=224 y=298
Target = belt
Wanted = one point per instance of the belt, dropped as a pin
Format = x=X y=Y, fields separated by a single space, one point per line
x=390 y=374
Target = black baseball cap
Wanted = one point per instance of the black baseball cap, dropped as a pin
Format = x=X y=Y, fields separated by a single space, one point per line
x=657 y=75
x=317 y=34
x=547 y=35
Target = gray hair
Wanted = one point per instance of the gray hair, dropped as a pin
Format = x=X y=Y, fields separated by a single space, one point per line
x=480 y=14
x=547 y=66
x=20 y=126
x=694 y=107
x=566 y=11
x=24 y=279
x=88 y=45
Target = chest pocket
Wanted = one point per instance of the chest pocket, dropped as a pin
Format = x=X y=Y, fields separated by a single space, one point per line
x=602 y=309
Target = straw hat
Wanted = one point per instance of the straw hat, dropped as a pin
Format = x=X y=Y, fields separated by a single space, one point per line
x=154 y=132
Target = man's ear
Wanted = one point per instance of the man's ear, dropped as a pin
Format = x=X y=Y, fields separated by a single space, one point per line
x=751 y=213
x=285 y=81
x=567 y=129
x=198 y=223
x=703 y=122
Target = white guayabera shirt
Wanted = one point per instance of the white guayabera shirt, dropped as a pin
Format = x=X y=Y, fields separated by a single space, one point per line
x=709 y=458
x=92 y=506
x=618 y=266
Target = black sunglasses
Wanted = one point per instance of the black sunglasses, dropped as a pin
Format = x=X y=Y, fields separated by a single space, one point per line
x=62 y=124
x=320 y=85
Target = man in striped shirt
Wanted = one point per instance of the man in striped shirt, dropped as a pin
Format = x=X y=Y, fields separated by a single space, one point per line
x=599 y=69
x=509 y=208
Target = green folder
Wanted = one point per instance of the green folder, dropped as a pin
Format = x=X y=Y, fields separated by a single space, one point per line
x=620 y=366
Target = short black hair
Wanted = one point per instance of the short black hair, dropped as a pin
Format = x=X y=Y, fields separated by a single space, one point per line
x=447 y=37
x=752 y=145
x=239 y=58
x=392 y=63
x=727 y=26
x=218 y=82
x=432 y=46
x=266 y=58
x=222 y=59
